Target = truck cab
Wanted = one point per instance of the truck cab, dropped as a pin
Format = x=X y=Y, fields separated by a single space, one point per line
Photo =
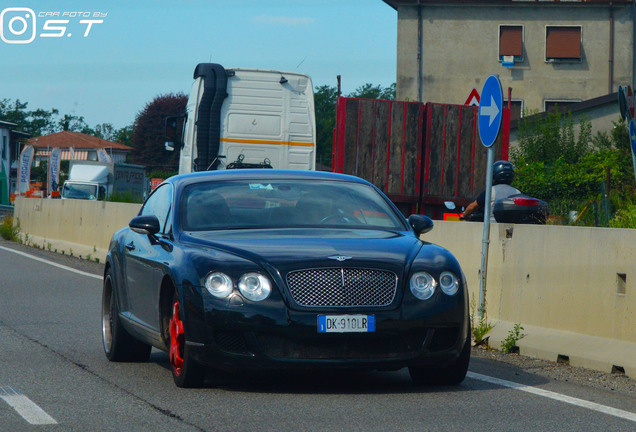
x=245 y=118
x=83 y=190
x=93 y=180
x=86 y=181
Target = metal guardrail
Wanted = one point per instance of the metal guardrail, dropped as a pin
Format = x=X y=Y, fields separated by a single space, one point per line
x=5 y=210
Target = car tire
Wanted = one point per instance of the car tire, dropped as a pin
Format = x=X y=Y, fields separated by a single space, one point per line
x=452 y=374
x=186 y=372
x=119 y=345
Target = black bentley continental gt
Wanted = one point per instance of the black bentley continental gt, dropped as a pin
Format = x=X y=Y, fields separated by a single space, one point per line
x=279 y=269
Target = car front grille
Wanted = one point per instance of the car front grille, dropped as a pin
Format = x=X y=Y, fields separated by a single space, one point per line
x=342 y=287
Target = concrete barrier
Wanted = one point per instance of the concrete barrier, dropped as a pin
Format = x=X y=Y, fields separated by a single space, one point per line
x=571 y=288
x=73 y=227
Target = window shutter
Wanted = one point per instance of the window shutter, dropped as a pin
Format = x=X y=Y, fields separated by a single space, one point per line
x=563 y=43
x=510 y=41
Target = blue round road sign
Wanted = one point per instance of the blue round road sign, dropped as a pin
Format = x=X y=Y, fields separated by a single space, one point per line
x=632 y=135
x=490 y=111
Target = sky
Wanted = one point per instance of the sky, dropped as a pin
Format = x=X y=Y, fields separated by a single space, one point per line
x=106 y=60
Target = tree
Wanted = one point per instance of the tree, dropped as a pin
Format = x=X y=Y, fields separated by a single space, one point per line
x=35 y=123
x=123 y=135
x=325 y=98
x=74 y=123
x=369 y=91
x=148 y=135
x=573 y=170
x=105 y=131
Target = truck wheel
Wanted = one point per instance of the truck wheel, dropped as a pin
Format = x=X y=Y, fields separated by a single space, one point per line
x=186 y=372
x=119 y=346
x=452 y=374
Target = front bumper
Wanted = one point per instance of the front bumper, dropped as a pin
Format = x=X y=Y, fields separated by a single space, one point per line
x=273 y=336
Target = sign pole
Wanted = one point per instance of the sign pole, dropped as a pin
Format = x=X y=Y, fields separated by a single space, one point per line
x=486 y=236
x=632 y=140
x=626 y=105
x=489 y=122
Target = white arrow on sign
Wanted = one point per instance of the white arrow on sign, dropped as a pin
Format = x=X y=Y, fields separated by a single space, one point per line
x=491 y=110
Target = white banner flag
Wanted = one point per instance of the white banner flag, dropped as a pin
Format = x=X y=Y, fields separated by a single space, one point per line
x=24 y=178
x=102 y=156
x=54 y=171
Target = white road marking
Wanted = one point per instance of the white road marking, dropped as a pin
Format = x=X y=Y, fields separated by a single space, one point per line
x=556 y=396
x=50 y=263
x=25 y=407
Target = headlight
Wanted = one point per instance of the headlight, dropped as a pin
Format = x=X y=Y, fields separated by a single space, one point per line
x=254 y=286
x=448 y=283
x=423 y=285
x=218 y=284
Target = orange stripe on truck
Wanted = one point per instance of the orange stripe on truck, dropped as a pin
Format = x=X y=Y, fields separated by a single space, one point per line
x=250 y=141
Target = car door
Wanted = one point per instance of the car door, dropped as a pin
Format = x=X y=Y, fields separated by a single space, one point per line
x=143 y=259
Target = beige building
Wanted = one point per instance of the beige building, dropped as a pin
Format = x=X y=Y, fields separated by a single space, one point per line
x=548 y=52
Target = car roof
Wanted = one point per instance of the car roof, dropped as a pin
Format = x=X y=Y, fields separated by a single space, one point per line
x=273 y=174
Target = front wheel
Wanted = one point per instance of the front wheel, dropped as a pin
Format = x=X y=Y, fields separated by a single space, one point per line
x=186 y=372
x=452 y=374
x=119 y=345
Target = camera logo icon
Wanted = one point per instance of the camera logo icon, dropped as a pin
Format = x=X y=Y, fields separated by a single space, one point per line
x=17 y=25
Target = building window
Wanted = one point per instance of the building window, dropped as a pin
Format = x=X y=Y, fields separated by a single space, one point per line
x=516 y=109
x=563 y=43
x=510 y=43
x=560 y=105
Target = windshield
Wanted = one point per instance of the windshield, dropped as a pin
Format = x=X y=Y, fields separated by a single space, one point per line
x=79 y=191
x=297 y=203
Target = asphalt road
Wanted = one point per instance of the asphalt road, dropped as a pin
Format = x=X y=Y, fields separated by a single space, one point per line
x=54 y=377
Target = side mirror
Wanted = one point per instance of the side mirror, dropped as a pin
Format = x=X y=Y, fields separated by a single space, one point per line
x=145 y=225
x=173 y=127
x=421 y=224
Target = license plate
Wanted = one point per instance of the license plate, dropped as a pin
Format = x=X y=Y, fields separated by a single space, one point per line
x=346 y=323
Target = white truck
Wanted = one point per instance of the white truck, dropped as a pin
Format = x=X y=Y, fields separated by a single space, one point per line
x=245 y=118
x=91 y=180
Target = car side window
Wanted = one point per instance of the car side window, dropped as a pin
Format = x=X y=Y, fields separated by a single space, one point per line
x=159 y=204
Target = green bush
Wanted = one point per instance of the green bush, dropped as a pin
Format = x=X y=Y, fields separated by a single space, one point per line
x=625 y=217
x=125 y=197
x=509 y=345
x=578 y=174
x=8 y=231
x=162 y=174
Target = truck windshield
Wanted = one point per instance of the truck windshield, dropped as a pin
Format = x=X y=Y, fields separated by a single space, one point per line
x=79 y=191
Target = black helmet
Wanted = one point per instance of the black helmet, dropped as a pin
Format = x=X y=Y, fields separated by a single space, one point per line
x=502 y=172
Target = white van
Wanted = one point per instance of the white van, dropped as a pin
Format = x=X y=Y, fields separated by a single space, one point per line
x=246 y=118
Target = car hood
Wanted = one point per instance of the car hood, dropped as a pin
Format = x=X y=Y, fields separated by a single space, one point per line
x=291 y=249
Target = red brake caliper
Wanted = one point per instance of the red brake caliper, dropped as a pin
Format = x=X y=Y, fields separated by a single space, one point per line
x=176 y=340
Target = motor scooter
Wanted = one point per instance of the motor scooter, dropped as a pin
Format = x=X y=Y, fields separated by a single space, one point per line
x=517 y=209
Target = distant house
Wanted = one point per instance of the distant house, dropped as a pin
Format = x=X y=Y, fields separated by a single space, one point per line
x=549 y=52
x=601 y=112
x=79 y=146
